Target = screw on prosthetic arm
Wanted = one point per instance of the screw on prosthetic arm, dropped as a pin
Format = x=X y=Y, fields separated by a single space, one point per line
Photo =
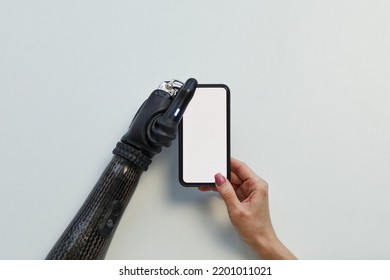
x=89 y=234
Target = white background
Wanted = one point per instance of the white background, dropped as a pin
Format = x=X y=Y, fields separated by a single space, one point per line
x=310 y=113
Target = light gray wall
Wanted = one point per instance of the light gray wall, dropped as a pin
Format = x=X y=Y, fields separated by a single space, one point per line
x=310 y=113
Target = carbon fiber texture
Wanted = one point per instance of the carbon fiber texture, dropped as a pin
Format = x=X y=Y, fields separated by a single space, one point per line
x=89 y=234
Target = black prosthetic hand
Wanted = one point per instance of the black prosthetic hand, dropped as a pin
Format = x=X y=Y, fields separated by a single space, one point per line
x=89 y=234
x=156 y=122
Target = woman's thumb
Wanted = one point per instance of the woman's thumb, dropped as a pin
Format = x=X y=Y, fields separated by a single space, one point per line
x=226 y=191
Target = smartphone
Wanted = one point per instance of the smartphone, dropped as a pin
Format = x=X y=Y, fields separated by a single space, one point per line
x=204 y=136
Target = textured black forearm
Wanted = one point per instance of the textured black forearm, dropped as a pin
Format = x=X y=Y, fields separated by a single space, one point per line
x=89 y=234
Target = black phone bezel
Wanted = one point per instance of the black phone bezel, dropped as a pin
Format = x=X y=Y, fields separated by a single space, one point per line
x=197 y=184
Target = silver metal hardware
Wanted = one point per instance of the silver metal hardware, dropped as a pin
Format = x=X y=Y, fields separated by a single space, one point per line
x=172 y=86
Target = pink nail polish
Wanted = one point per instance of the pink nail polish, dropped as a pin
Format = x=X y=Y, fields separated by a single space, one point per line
x=219 y=179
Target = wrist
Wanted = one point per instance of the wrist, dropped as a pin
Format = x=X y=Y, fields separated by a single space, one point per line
x=133 y=155
x=264 y=243
x=269 y=247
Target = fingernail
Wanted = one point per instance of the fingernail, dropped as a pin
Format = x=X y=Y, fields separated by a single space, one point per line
x=219 y=179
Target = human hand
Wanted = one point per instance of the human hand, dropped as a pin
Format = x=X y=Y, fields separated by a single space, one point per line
x=246 y=199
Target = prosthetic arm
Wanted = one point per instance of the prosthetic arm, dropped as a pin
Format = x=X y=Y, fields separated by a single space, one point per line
x=89 y=234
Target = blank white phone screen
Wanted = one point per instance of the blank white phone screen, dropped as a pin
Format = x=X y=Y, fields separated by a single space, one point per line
x=205 y=135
